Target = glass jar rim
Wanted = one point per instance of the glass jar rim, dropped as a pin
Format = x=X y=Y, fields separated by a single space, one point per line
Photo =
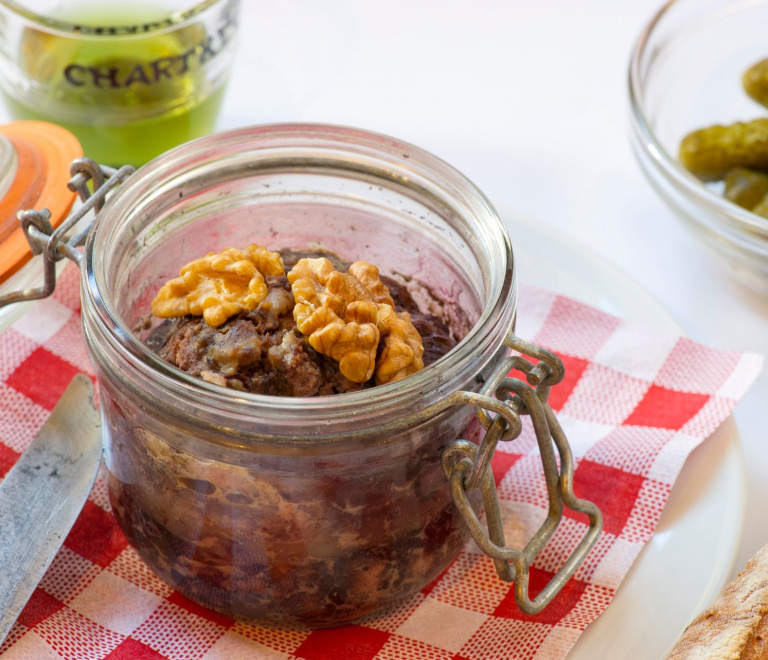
x=475 y=350
x=174 y=20
x=672 y=170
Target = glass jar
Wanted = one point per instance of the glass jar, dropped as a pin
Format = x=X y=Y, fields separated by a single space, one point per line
x=313 y=511
x=308 y=511
x=131 y=79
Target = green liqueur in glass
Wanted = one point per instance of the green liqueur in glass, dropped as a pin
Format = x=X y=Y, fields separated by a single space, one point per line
x=129 y=91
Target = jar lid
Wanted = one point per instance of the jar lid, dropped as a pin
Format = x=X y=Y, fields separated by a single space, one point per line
x=34 y=172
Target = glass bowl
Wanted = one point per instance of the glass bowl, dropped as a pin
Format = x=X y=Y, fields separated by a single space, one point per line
x=685 y=73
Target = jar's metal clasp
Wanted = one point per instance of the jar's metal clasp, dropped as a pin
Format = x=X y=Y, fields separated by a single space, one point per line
x=56 y=244
x=467 y=467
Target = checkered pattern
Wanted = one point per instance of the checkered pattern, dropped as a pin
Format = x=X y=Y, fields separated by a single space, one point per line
x=634 y=403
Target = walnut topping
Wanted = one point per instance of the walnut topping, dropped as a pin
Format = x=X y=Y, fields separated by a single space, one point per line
x=218 y=286
x=353 y=345
x=347 y=315
x=402 y=353
x=368 y=275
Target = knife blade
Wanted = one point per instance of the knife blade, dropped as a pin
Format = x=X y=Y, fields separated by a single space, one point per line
x=42 y=495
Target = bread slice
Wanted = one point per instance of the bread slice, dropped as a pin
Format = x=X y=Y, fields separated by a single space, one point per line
x=735 y=627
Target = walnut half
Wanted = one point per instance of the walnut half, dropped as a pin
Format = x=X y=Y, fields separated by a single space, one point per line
x=218 y=286
x=347 y=315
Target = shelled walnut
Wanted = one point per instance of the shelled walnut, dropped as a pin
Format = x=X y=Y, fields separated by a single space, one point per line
x=218 y=286
x=347 y=315
x=244 y=297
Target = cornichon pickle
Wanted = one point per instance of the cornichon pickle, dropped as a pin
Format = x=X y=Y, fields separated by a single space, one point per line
x=761 y=208
x=755 y=81
x=746 y=188
x=710 y=153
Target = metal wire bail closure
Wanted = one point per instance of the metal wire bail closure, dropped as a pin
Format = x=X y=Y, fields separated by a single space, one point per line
x=56 y=245
x=467 y=467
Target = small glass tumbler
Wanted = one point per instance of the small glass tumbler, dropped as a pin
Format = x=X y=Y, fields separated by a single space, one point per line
x=130 y=79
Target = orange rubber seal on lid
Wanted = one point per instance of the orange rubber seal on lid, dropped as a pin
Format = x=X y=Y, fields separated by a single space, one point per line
x=44 y=152
x=31 y=173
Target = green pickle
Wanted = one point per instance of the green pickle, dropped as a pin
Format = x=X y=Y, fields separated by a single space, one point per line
x=761 y=208
x=755 y=82
x=738 y=152
x=746 y=188
x=127 y=98
x=710 y=153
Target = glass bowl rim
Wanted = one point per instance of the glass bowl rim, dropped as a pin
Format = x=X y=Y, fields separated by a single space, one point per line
x=665 y=162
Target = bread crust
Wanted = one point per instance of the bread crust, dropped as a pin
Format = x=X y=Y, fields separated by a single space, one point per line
x=735 y=626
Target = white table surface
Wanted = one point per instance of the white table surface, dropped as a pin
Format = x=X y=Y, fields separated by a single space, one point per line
x=528 y=99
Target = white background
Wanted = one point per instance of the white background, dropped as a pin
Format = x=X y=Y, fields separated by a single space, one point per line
x=527 y=98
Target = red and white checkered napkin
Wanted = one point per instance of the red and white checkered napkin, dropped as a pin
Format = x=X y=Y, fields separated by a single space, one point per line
x=634 y=403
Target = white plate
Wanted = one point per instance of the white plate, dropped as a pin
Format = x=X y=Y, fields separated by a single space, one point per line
x=691 y=556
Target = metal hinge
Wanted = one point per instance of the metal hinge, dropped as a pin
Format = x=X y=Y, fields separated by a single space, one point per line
x=467 y=467
x=56 y=244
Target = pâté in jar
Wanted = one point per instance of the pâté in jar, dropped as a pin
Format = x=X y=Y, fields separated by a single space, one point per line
x=331 y=339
